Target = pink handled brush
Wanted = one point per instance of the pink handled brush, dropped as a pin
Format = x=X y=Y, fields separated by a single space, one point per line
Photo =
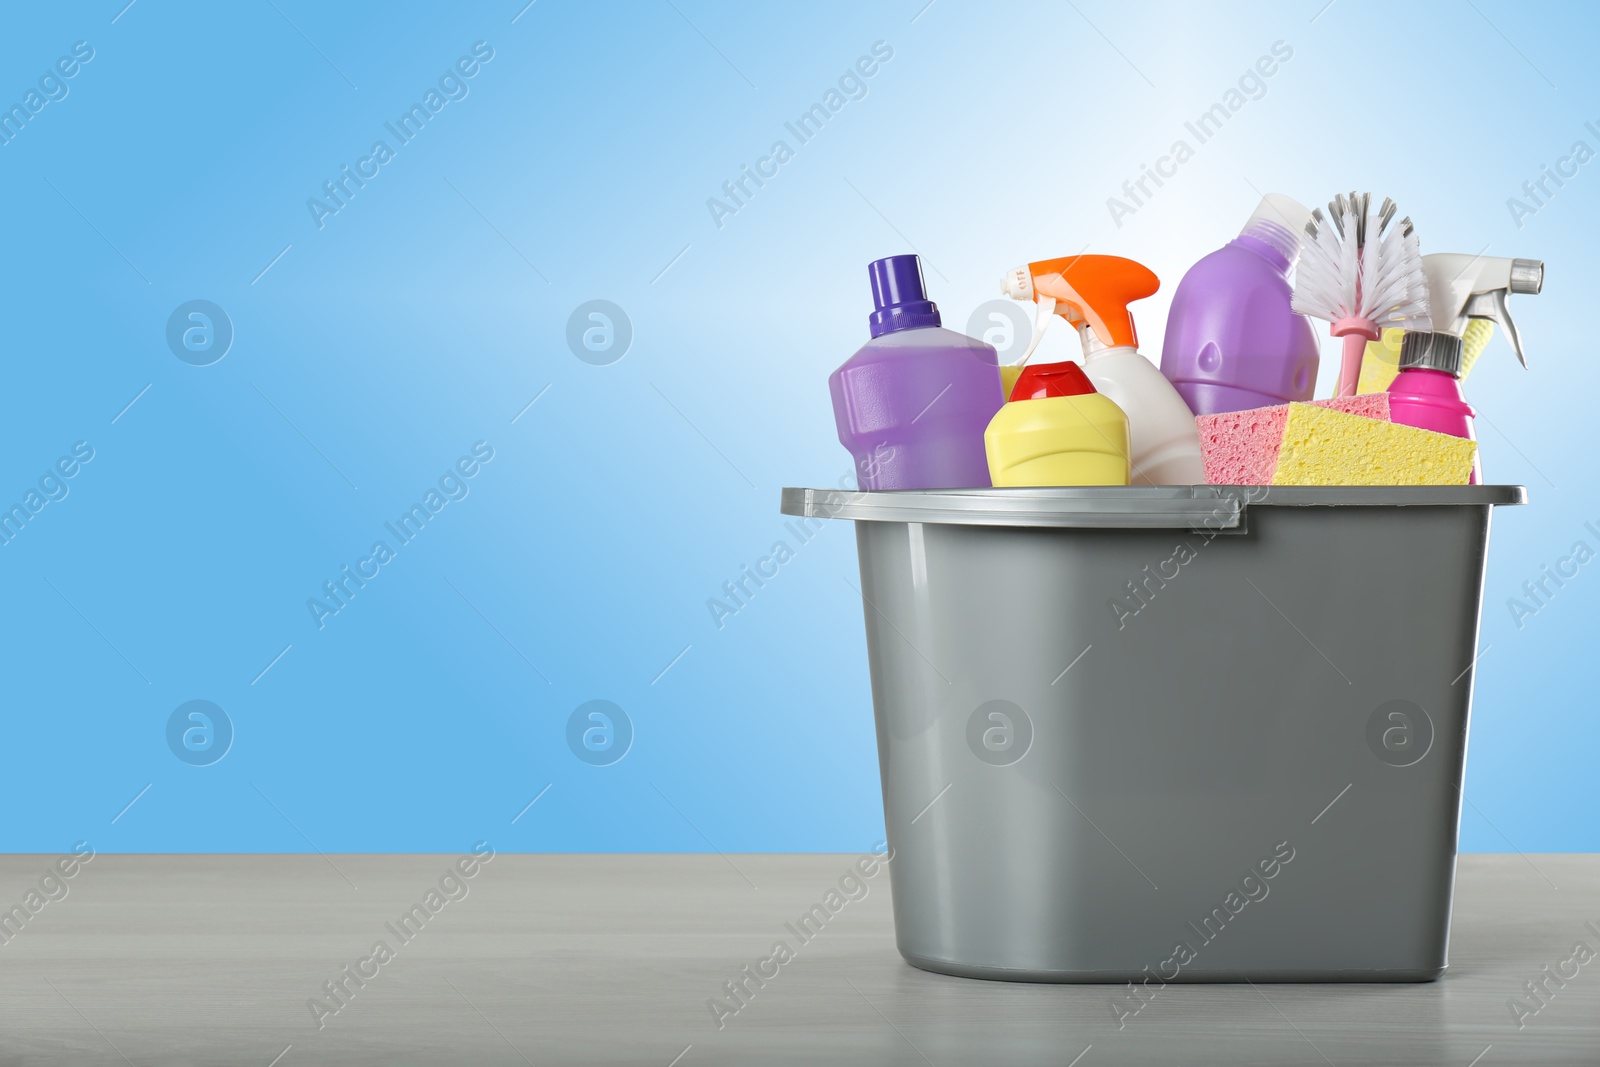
x=1361 y=272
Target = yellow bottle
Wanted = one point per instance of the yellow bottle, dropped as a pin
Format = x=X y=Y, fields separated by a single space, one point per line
x=1009 y=373
x=1057 y=430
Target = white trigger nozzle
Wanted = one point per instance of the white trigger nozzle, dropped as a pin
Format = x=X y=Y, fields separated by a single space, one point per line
x=1047 y=308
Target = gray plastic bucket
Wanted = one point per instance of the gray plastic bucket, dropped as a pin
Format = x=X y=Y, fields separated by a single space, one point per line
x=1171 y=734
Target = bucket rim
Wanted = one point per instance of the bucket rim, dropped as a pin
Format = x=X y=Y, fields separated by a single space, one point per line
x=1124 y=507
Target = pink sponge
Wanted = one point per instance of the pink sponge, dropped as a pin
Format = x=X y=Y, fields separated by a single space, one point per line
x=1241 y=447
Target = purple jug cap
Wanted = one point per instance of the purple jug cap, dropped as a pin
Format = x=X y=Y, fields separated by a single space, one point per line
x=899 y=297
x=1276 y=230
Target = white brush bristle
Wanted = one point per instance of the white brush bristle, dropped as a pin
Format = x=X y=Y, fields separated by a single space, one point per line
x=1380 y=281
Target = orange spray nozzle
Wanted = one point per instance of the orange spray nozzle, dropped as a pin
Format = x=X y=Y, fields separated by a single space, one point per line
x=1089 y=289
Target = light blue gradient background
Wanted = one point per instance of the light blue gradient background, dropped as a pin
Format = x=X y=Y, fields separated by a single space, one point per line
x=409 y=328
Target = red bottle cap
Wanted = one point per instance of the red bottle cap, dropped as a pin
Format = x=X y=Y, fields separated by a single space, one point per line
x=1042 y=380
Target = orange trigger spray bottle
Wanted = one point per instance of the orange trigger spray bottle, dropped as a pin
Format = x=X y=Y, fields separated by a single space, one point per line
x=1093 y=293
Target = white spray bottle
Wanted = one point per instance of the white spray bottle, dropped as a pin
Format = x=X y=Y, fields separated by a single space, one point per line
x=1427 y=391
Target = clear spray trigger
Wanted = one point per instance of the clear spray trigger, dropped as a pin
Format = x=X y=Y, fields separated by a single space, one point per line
x=1047 y=311
x=1492 y=306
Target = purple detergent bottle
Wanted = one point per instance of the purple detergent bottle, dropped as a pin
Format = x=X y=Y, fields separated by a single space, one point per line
x=1233 y=342
x=913 y=402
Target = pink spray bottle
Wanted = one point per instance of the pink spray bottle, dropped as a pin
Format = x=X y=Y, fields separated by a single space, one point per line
x=1427 y=391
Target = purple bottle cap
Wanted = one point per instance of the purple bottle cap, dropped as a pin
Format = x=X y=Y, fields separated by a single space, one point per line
x=1276 y=229
x=899 y=296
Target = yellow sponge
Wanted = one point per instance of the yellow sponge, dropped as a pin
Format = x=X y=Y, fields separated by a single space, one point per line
x=1326 y=447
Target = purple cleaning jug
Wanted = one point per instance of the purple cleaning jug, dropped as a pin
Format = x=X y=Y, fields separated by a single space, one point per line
x=1233 y=342
x=913 y=402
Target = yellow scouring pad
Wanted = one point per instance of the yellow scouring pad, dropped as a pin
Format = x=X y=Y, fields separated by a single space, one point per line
x=1381 y=362
x=1472 y=343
